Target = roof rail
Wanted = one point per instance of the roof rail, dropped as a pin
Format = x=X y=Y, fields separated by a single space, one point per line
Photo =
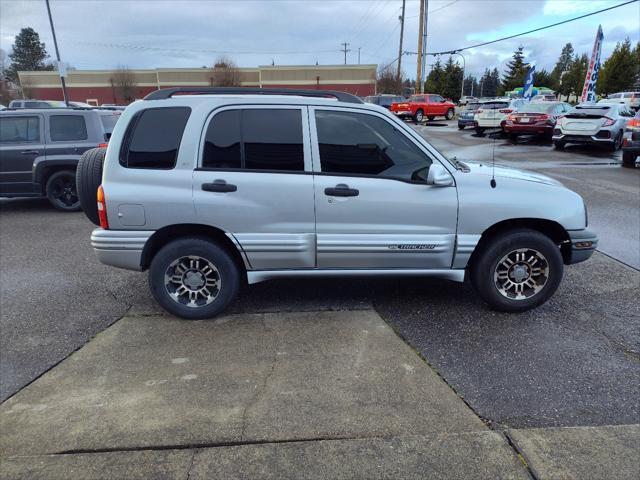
x=170 y=92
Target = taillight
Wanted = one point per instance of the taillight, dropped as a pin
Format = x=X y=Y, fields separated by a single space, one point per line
x=103 y=145
x=544 y=116
x=102 y=209
x=608 y=122
x=511 y=118
x=506 y=110
x=634 y=122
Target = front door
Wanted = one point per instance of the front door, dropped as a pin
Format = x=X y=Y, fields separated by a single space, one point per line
x=21 y=143
x=374 y=208
x=254 y=181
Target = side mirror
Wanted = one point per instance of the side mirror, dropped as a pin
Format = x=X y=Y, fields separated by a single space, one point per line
x=439 y=176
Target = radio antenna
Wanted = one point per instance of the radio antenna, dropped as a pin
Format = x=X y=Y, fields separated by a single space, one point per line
x=493 y=163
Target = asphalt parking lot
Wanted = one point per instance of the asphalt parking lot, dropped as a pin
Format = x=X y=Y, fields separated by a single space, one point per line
x=574 y=361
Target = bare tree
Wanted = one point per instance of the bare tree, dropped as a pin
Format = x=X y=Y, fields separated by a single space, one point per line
x=387 y=80
x=124 y=84
x=225 y=73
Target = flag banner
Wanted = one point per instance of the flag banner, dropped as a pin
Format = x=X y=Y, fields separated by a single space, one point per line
x=589 y=90
x=527 y=91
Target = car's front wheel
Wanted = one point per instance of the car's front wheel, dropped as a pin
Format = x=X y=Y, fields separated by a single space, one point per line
x=193 y=278
x=558 y=145
x=419 y=116
x=479 y=130
x=449 y=114
x=61 y=191
x=517 y=271
x=629 y=159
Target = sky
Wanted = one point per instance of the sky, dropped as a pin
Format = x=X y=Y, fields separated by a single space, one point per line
x=102 y=34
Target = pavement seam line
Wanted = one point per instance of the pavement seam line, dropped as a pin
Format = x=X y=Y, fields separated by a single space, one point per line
x=521 y=455
x=75 y=350
x=193 y=457
x=617 y=260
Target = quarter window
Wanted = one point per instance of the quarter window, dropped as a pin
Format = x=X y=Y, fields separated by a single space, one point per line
x=64 y=128
x=153 y=138
x=361 y=144
x=255 y=139
x=19 y=129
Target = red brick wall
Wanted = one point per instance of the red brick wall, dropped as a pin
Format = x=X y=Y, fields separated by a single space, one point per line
x=105 y=94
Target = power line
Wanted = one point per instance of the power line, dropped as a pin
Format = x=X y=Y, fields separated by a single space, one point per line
x=534 y=30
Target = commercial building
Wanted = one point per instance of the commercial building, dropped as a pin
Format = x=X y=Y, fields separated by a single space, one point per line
x=105 y=86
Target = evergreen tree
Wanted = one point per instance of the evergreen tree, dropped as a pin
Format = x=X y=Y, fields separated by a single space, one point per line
x=516 y=70
x=573 y=79
x=618 y=72
x=494 y=83
x=452 y=81
x=471 y=86
x=435 y=79
x=543 y=79
x=562 y=65
x=29 y=54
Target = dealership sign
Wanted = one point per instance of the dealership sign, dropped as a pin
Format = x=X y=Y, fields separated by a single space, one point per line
x=589 y=90
x=527 y=92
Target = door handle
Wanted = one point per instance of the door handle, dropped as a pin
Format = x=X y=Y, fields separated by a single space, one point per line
x=342 y=190
x=30 y=152
x=219 y=186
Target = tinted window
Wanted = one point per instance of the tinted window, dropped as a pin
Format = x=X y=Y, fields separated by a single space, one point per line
x=67 y=127
x=154 y=137
x=272 y=139
x=494 y=105
x=19 y=129
x=536 y=108
x=109 y=121
x=222 y=141
x=355 y=143
x=471 y=106
x=418 y=99
x=436 y=98
x=260 y=139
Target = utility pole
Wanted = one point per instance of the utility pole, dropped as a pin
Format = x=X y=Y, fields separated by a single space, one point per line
x=420 y=36
x=358 y=55
x=345 y=50
x=400 y=47
x=61 y=68
x=424 y=40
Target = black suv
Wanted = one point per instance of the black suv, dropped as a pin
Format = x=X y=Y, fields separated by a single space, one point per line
x=40 y=149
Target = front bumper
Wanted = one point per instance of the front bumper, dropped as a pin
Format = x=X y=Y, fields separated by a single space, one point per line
x=120 y=248
x=582 y=244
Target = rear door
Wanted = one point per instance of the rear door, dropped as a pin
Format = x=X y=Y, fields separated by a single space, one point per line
x=21 y=144
x=436 y=107
x=68 y=134
x=373 y=206
x=254 y=181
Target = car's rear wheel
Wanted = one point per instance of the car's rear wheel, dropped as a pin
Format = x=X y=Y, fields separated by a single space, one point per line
x=193 y=278
x=460 y=127
x=479 y=130
x=88 y=179
x=419 y=116
x=61 y=191
x=558 y=145
x=517 y=271
x=629 y=159
x=617 y=142
x=449 y=114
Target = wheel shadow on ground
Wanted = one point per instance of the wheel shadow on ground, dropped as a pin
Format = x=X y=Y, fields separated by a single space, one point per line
x=25 y=205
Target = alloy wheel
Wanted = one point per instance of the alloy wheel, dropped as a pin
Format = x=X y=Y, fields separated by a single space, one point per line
x=521 y=274
x=63 y=190
x=192 y=281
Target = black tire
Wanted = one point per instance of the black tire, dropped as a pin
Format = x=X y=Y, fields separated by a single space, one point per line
x=450 y=114
x=617 y=142
x=558 y=145
x=513 y=136
x=228 y=275
x=479 y=130
x=460 y=127
x=419 y=116
x=88 y=179
x=430 y=118
x=61 y=191
x=485 y=266
x=629 y=159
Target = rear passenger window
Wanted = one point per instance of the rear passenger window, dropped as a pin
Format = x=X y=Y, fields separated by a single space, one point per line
x=255 y=139
x=153 y=138
x=64 y=128
x=19 y=129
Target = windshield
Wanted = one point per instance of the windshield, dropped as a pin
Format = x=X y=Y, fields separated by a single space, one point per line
x=494 y=105
x=471 y=106
x=536 y=108
x=599 y=111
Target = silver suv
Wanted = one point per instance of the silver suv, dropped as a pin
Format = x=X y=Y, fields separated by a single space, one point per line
x=210 y=188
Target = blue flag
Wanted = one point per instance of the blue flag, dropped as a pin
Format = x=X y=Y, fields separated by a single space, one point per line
x=527 y=92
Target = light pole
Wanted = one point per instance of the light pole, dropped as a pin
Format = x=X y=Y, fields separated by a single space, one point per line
x=61 y=68
x=464 y=66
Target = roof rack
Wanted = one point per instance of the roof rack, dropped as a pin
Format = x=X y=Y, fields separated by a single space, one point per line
x=170 y=92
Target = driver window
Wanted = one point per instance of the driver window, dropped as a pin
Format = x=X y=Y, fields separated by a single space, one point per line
x=361 y=144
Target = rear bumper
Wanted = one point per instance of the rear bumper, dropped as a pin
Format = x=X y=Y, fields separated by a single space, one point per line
x=582 y=244
x=577 y=138
x=403 y=114
x=120 y=248
x=532 y=129
x=466 y=122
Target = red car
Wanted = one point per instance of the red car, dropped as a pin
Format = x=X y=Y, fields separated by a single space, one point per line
x=535 y=118
x=424 y=105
